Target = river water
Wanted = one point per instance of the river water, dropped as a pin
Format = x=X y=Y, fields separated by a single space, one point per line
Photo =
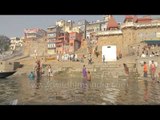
x=71 y=89
x=8 y=90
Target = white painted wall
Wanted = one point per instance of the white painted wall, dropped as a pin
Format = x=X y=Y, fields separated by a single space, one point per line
x=109 y=51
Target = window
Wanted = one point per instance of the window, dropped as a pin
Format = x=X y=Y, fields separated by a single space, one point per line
x=52 y=35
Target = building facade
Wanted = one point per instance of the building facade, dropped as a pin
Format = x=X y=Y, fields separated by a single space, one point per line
x=62 y=42
x=132 y=31
x=34 y=33
x=16 y=42
x=74 y=41
x=52 y=34
x=82 y=25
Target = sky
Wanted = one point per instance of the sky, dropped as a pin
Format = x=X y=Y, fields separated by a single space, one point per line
x=14 y=25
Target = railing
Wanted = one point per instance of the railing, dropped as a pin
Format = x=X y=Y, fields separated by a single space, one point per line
x=147 y=25
x=51 y=35
x=61 y=37
x=127 y=25
x=138 y=25
x=109 y=32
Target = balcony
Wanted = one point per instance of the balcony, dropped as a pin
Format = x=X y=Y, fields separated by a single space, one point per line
x=51 y=39
x=51 y=28
x=113 y=32
x=58 y=41
x=59 y=44
x=140 y=25
x=51 y=35
x=51 y=45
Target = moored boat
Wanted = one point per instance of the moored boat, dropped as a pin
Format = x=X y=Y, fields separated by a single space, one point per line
x=6 y=74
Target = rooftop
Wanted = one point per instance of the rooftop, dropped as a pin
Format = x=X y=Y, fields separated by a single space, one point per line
x=112 y=23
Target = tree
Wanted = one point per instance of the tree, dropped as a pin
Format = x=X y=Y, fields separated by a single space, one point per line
x=4 y=43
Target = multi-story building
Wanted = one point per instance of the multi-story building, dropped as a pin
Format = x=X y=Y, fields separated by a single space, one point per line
x=132 y=31
x=74 y=41
x=34 y=33
x=92 y=27
x=112 y=35
x=52 y=34
x=82 y=25
x=62 y=42
x=97 y=26
x=66 y=26
x=15 y=42
x=60 y=23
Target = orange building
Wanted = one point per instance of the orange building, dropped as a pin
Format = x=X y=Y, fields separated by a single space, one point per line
x=74 y=41
x=61 y=42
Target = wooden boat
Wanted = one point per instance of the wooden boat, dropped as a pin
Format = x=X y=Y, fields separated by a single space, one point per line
x=6 y=74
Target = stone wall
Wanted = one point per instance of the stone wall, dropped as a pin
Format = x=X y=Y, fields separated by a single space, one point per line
x=111 y=40
x=129 y=37
x=6 y=66
x=39 y=45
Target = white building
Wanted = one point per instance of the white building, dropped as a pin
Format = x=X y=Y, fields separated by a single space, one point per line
x=16 y=42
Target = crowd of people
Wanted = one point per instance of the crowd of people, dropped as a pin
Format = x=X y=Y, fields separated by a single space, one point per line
x=152 y=69
x=67 y=57
x=149 y=70
x=36 y=74
x=38 y=70
x=144 y=51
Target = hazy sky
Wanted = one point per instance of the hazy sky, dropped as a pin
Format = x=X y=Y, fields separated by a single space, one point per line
x=14 y=25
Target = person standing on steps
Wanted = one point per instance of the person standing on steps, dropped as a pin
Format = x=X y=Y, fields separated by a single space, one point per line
x=126 y=69
x=89 y=59
x=103 y=59
x=153 y=70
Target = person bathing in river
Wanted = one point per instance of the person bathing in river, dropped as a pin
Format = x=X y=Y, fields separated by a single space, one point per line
x=84 y=73
x=126 y=69
x=145 y=70
x=31 y=77
x=153 y=70
x=38 y=69
x=89 y=76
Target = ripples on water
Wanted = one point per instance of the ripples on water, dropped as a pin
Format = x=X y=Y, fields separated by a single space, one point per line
x=8 y=90
x=68 y=89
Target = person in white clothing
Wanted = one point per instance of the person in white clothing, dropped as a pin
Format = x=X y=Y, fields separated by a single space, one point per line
x=58 y=57
x=76 y=57
x=143 y=55
x=49 y=70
